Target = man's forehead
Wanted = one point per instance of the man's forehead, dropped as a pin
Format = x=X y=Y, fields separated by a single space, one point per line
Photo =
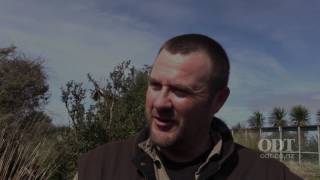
x=175 y=83
x=192 y=70
x=190 y=61
x=180 y=57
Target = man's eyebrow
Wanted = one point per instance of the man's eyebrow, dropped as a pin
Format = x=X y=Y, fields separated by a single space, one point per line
x=152 y=80
x=182 y=87
x=174 y=85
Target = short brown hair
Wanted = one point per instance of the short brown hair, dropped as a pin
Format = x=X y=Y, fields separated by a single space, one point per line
x=189 y=43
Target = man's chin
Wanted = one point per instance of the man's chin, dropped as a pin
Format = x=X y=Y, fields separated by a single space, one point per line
x=163 y=139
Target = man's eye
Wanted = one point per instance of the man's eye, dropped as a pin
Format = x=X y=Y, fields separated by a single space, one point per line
x=155 y=86
x=180 y=93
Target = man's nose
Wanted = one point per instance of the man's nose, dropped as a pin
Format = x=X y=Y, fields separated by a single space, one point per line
x=163 y=100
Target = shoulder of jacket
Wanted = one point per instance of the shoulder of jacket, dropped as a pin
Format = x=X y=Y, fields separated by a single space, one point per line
x=255 y=161
x=110 y=149
x=108 y=160
x=252 y=157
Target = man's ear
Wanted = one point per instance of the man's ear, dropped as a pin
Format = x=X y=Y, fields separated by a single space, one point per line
x=220 y=98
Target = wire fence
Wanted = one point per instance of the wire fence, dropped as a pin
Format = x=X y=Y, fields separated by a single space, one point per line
x=274 y=139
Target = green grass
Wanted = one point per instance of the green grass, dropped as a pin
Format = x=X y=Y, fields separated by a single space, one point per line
x=306 y=170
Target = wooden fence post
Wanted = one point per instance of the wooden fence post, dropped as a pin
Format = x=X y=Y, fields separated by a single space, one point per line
x=246 y=135
x=260 y=132
x=318 y=128
x=299 y=144
x=281 y=143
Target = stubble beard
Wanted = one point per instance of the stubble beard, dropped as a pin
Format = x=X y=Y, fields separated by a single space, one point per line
x=162 y=139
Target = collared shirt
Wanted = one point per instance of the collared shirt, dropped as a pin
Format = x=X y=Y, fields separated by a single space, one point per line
x=160 y=172
x=159 y=168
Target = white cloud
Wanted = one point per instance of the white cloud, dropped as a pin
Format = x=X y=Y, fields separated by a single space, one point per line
x=77 y=37
x=252 y=71
x=75 y=43
x=152 y=12
x=316 y=97
x=234 y=114
x=259 y=82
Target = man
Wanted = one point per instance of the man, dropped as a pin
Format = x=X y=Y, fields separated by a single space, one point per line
x=188 y=84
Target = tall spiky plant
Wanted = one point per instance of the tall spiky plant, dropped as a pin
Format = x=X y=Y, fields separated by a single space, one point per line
x=256 y=120
x=25 y=159
x=300 y=115
x=277 y=117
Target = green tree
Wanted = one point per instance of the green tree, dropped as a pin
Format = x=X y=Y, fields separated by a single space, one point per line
x=256 y=120
x=318 y=117
x=23 y=93
x=88 y=128
x=26 y=150
x=299 y=115
x=108 y=111
x=278 y=116
x=23 y=84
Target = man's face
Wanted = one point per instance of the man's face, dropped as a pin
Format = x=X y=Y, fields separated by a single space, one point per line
x=178 y=106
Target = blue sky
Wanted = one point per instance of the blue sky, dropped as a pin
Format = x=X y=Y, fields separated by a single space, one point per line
x=273 y=45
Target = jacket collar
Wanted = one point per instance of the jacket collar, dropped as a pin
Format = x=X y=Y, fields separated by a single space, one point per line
x=227 y=149
x=140 y=159
x=144 y=157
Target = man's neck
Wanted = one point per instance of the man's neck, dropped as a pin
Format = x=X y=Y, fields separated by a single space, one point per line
x=184 y=152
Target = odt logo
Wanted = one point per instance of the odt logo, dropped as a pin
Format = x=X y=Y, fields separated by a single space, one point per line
x=275 y=145
x=274 y=148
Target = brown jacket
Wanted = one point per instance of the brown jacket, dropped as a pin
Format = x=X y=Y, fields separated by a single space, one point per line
x=125 y=160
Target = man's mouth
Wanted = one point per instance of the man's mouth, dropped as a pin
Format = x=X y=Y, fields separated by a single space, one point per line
x=163 y=124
